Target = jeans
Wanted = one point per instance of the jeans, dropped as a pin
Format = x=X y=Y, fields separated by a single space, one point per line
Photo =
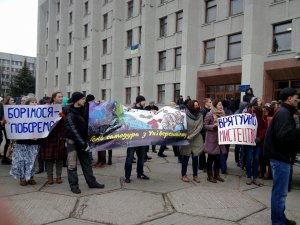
x=223 y=159
x=184 y=164
x=252 y=160
x=140 y=152
x=281 y=173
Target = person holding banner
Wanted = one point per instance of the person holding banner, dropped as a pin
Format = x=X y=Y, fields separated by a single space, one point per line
x=76 y=132
x=194 y=126
x=24 y=156
x=211 y=146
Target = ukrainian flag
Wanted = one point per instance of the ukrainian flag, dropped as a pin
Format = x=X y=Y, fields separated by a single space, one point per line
x=134 y=49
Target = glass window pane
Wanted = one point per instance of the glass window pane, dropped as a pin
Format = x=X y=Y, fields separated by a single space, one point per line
x=235 y=38
x=283 y=27
x=237 y=6
x=220 y=88
x=210 y=56
x=211 y=88
x=211 y=14
x=211 y=3
x=229 y=87
x=295 y=84
x=234 y=51
x=283 y=42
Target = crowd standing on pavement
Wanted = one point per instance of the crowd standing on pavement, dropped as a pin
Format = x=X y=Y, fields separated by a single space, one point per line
x=273 y=156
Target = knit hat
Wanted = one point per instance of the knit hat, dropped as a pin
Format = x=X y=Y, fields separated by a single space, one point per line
x=287 y=92
x=253 y=100
x=139 y=99
x=76 y=96
x=90 y=98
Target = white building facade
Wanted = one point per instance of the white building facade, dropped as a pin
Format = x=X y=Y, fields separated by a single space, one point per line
x=163 y=48
x=10 y=66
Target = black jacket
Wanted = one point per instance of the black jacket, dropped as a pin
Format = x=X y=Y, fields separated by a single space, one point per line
x=76 y=125
x=282 y=138
x=204 y=111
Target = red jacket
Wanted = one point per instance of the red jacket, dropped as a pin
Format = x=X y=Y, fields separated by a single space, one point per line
x=261 y=124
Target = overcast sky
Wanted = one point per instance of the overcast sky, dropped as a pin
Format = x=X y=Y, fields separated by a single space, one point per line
x=18 y=26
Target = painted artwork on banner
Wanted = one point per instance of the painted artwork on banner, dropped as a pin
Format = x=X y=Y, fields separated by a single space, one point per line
x=29 y=122
x=112 y=125
x=238 y=129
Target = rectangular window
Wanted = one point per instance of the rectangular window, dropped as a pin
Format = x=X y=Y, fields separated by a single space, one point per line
x=69 y=77
x=128 y=96
x=56 y=64
x=84 y=77
x=86 y=30
x=70 y=38
x=85 y=53
x=236 y=7
x=46 y=49
x=161 y=94
x=57 y=44
x=140 y=35
x=176 y=91
x=209 y=51
x=282 y=37
x=70 y=2
x=177 y=58
x=70 y=18
x=70 y=58
x=130 y=9
x=179 y=20
x=46 y=66
x=56 y=80
x=86 y=8
x=139 y=64
x=47 y=32
x=46 y=81
x=163 y=27
x=104 y=71
x=58 y=7
x=104 y=47
x=105 y=21
x=162 y=60
x=57 y=26
x=103 y=94
x=138 y=90
x=129 y=38
x=128 y=67
x=211 y=11
x=234 y=46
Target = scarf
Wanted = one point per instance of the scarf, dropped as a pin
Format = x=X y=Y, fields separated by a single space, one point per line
x=193 y=115
x=216 y=114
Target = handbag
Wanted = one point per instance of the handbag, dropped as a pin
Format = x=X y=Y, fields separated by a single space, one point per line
x=10 y=149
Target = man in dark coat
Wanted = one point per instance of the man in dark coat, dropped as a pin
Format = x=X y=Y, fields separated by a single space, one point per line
x=248 y=95
x=281 y=143
x=76 y=132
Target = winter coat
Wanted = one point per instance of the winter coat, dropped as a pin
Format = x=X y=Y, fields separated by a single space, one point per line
x=211 y=145
x=195 y=146
x=282 y=137
x=204 y=111
x=247 y=97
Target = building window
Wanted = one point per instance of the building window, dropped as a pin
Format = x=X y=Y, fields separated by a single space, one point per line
x=177 y=58
x=234 y=46
x=56 y=64
x=86 y=30
x=70 y=2
x=209 y=51
x=129 y=38
x=103 y=94
x=161 y=94
x=69 y=77
x=139 y=64
x=141 y=6
x=130 y=9
x=58 y=7
x=46 y=49
x=211 y=11
x=138 y=90
x=223 y=91
x=85 y=53
x=104 y=71
x=56 y=80
x=70 y=58
x=140 y=35
x=163 y=27
x=105 y=21
x=104 y=46
x=86 y=8
x=236 y=7
x=57 y=44
x=70 y=18
x=70 y=38
x=176 y=91
x=46 y=66
x=179 y=20
x=128 y=96
x=162 y=60
x=128 y=67
x=282 y=36
x=46 y=81
x=84 y=78
x=57 y=26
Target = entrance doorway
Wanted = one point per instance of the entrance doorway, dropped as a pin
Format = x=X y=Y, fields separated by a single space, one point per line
x=281 y=84
x=223 y=92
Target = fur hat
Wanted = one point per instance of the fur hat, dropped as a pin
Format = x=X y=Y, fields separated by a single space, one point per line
x=139 y=99
x=90 y=97
x=76 y=96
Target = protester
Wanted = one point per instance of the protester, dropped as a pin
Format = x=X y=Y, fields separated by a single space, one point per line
x=76 y=131
x=194 y=126
x=151 y=107
x=211 y=146
x=281 y=144
x=248 y=95
x=180 y=100
x=188 y=98
x=53 y=147
x=24 y=155
x=140 y=150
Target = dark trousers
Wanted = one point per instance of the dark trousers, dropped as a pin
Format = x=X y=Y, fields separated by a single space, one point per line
x=213 y=161
x=7 y=142
x=102 y=156
x=140 y=152
x=83 y=156
x=184 y=164
x=162 y=149
x=202 y=161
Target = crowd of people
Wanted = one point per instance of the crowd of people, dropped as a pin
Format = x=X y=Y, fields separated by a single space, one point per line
x=277 y=142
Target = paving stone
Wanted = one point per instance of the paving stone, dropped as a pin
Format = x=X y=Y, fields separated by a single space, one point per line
x=73 y=221
x=183 y=219
x=214 y=203
x=40 y=208
x=111 y=183
x=10 y=186
x=231 y=182
x=158 y=182
x=122 y=207
x=166 y=168
x=4 y=170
